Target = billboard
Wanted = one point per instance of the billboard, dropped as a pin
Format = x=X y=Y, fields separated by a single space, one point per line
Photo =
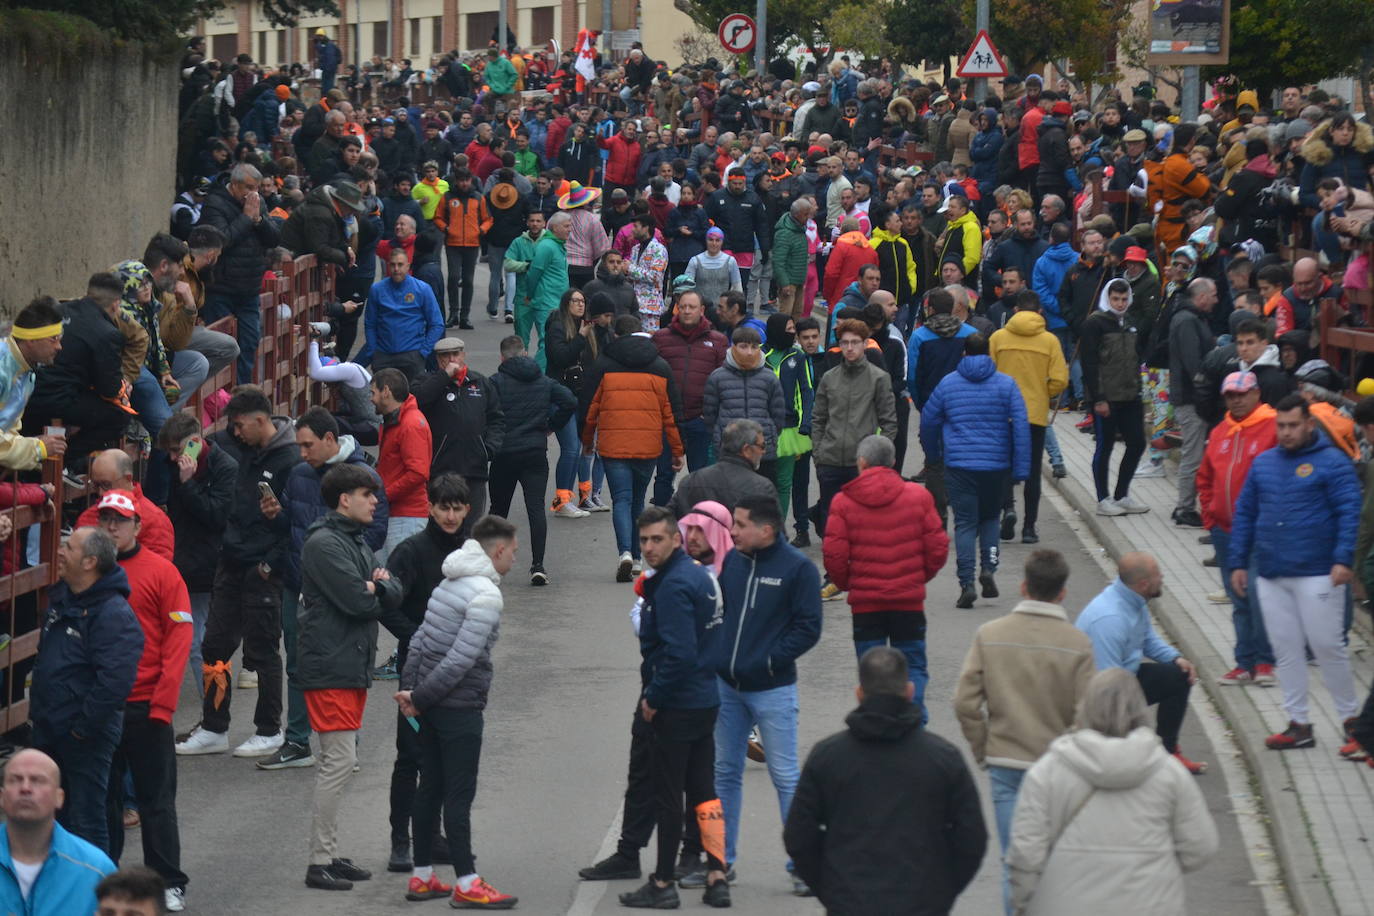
x=1189 y=32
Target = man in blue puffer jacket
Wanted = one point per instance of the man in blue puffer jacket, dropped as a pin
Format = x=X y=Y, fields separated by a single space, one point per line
x=1296 y=520
x=975 y=422
x=772 y=596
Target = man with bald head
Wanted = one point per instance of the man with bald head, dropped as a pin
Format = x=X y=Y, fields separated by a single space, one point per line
x=113 y=469
x=1297 y=305
x=31 y=841
x=1118 y=623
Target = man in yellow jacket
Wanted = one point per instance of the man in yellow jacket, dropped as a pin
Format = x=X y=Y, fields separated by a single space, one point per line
x=963 y=233
x=1032 y=356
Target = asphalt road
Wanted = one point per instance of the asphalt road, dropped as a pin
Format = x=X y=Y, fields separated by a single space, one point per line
x=554 y=756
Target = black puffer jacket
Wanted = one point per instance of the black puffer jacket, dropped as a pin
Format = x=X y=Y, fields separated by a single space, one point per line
x=466 y=422
x=241 y=265
x=742 y=218
x=869 y=124
x=617 y=286
x=569 y=357
x=199 y=511
x=728 y=481
x=250 y=537
x=418 y=562
x=533 y=403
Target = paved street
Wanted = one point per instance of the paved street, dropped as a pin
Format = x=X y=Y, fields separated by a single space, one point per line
x=557 y=734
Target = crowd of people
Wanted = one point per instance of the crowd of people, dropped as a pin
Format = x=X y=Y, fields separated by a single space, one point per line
x=747 y=280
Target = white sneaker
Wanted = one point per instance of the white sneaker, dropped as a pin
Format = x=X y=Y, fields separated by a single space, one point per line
x=1218 y=597
x=174 y=901
x=622 y=569
x=248 y=680
x=1108 y=507
x=636 y=568
x=1150 y=469
x=568 y=510
x=260 y=745
x=1131 y=505
x=202 y=741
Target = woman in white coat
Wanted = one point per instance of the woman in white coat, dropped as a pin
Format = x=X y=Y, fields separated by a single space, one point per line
x=1107 y=820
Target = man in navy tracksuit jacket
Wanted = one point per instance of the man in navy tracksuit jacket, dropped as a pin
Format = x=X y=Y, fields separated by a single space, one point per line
x=772 y=617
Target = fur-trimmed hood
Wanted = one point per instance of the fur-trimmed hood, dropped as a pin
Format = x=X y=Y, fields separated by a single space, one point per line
x=901 y=109
x=1317 y=150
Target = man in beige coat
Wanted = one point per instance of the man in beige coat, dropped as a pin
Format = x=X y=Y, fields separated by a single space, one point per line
x=1020 y=686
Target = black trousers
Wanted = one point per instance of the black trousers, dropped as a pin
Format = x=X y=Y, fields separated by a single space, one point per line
x=641 y=813
x=579 y=277
x=1128 y=419
x=462 y=266
x=830 y=478
x=531 y=471
x=801 y=493
x=903 y=425
x=682 y=759
x=346 y=326
x=450 y=748
x=244 y=607
x=1032 y=491
x=477 y=503
x=1167 y=686
x=147 y=753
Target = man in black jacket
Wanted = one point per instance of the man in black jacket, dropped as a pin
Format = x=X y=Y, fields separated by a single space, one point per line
x=741 y=215
x=534 y=406
x=613 y=280
x=343 y=591
x=465 y=420
x=1190 y=340
x=317 y=225
x=198 y=504
x=245 y=602
x=733 y=477
x=238 y=212
x=930 y=837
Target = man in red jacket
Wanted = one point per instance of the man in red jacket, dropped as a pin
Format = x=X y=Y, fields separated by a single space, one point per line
x=113 y=469
x=403 y=455
x=1247 y=429
x=146 y=750
x=623 y=165
x=693 y=349
x=883 y=542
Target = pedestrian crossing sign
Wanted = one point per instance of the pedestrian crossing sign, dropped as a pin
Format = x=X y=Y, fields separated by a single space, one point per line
x=982 y=59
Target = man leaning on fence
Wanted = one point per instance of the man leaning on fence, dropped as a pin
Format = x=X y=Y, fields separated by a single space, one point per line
x=35 y=340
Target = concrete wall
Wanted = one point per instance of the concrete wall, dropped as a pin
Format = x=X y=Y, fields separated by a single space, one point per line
x=87 y=166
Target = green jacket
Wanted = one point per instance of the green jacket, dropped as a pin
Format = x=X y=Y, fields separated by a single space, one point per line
x=789 y=251
x=547 y=278
x=500 y=76
x=518 y=258
x=527 y=163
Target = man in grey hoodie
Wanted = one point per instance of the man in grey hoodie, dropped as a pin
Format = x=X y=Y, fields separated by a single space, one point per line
x=1190 y=340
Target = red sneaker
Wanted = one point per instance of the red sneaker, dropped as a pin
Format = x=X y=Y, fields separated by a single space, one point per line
x=432 y=889
x=481 y=896
x=1236 y=677
x=1294 y=736
x=1351 y=750
x=1196 y=767
x=1264 y=675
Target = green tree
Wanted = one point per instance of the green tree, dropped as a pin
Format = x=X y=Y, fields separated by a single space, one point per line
x=801 y=20
x=163 y=20
x=1029 y=32
x=861 y=28
x=928 y=30
x=1273 y=45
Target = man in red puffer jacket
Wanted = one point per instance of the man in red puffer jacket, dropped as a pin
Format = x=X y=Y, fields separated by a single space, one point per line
x=883 y=542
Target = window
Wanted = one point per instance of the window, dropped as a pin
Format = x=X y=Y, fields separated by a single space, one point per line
x=224 y=48
x=436 y=34
x=481 y=29
x=262 y=49
x=282 y=58
x=380 y=47
x=541 y=25
x=413 y=48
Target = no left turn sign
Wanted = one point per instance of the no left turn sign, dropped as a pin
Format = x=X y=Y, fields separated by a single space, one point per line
x=738 y=33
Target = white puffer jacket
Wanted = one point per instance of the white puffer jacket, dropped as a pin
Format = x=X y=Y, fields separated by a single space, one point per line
x=449 y=660
x=1144 y=825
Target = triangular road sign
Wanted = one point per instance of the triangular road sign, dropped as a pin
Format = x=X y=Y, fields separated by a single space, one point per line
x=982 y=59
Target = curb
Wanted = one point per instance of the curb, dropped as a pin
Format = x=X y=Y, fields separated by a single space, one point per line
x=1304 y=879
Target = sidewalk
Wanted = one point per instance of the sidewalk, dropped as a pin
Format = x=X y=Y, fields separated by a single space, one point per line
x=1318 y=804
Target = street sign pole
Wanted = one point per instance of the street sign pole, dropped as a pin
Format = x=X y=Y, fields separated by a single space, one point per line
x=980 y=84
x=761 y=45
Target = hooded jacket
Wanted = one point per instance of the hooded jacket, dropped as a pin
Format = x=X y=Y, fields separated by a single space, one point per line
x=886 y=818
x=1231 y=448
x=733 y=393
x=853 y=400
x=623 y=161
x=1274 y=382
x=315 y=228
x=884 y=542
x=1015 y=251
x=1298 y=513
x=984 y=149
x=404 y=453
x=303 y=504
x=850 y=253
x=895 y=264
x=1006 y=724
x=448 y=663
x=466 y=422
x=932 y=353
x=1143 y=825
x=692 y=354
x=244 y=258
x=1048 y=278
x=1052 y=143
x=250 y=537
x=966 y=233
x=617 y=286
x=976 y=420
x=1033 y=357
x=1109 y=352
x=1323 y=159
x=772 y=616
x=1190 y=340
x=682 y=248
x=534 y=405
x=679 y=629
x=629 y=402
x=88 y=654
x=463 y=218
x=789 y=252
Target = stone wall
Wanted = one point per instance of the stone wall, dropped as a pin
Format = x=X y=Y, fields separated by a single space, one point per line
x=87 y=166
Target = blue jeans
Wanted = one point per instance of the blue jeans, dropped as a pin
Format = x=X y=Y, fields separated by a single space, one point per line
x=1326 y=241
x=775 y=713
x=696 y=440
x=1005 y=783
x=1252 y=642
x=1066 y=343
x=976 y=498
x=150 y=402
x=1052 y=446
x=917 y=671
x=629 y=480
x=247 y=311
x=200 y=609
x=398 y=528
x=569 y=456
x=190 y=369
x=297 y=716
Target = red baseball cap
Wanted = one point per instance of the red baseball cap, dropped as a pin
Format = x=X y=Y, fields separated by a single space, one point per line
x=1062 y=108
x=1136 y=253
x=121 y=501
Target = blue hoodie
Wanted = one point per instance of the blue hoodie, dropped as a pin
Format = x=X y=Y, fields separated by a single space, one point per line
x=772 y=616
x=1048 y=276
x=679 y=624
x=976 y=420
